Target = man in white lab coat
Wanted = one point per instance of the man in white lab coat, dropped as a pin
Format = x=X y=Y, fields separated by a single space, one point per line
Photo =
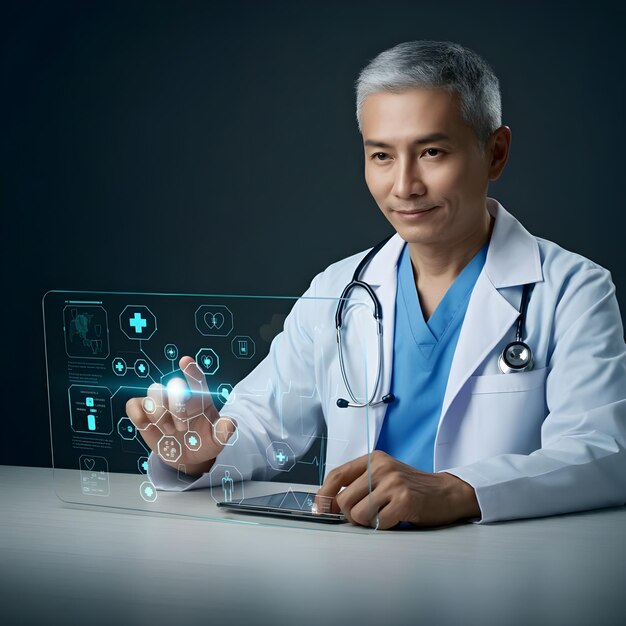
x=484 y=445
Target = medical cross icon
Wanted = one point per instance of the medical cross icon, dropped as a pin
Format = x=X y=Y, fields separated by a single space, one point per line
x=142 y=368
x=119 y=366
x=280 y=457
x=138 y=322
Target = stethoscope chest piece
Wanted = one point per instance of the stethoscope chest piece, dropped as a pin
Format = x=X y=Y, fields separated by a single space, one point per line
x=516 y=357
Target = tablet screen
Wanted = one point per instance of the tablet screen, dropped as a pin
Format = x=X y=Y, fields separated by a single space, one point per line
x=292 y=503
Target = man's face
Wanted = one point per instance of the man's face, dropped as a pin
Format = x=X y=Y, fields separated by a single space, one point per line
x=420 y=154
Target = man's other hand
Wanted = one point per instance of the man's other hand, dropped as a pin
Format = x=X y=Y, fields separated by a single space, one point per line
x=399 y=493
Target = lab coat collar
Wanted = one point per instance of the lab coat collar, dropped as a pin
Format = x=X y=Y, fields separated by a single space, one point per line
x=512 y=258
x=513 y=255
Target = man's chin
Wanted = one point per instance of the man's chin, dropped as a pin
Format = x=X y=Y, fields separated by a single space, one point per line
x=416 y=234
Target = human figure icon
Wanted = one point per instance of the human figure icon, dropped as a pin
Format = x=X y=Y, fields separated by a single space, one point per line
x=228 y=486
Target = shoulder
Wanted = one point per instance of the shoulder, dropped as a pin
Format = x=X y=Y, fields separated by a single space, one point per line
x=559 y=262
x=573 y=284
x=331 y=281
x=564 y=268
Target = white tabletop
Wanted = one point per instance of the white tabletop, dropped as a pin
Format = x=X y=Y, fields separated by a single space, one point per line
x=72 y=564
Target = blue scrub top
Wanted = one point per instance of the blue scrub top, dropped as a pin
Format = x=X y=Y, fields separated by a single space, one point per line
x=422 y=357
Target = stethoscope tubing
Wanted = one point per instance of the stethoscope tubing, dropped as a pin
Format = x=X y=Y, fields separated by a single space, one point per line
x=506 y=365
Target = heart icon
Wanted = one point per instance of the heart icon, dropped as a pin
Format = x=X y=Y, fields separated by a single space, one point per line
x=213 y=320
x=207 y=360
x=90 y=463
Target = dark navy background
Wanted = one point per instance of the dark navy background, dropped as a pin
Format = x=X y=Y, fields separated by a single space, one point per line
x=212 y=147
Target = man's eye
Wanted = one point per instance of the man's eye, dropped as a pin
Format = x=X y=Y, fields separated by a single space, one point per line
x=430 y=151
x=376 y=154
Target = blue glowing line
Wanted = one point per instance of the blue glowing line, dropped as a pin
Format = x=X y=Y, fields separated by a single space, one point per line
x=208 y=392
x=196 y=295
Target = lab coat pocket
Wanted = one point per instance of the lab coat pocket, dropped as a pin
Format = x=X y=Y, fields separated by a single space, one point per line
x=507 y=411
x=508 y=383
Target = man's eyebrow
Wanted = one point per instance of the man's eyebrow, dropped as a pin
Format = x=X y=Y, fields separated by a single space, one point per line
x=422 y=140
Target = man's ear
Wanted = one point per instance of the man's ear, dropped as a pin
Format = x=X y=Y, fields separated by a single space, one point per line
x=497 y=150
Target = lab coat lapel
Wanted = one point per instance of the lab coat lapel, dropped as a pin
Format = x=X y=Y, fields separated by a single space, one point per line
x=512 y=261
x=489 y=316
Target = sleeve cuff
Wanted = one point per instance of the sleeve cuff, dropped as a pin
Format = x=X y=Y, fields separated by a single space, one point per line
x=476 y=480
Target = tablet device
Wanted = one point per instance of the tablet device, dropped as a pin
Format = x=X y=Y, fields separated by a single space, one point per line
x=291 y=504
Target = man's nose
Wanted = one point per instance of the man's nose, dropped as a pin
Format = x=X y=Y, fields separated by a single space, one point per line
x=408 y=180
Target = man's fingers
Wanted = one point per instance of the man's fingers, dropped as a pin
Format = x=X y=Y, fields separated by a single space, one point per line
x=144 y=420
x=375 y=510
x=156 y=401
x=194 y=375
x=357 y=491
x=178 y=402
x=136 y=413
x=342 y=476
x=200 y=400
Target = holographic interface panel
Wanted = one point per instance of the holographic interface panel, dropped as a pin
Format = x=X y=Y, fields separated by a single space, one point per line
x=179 y=360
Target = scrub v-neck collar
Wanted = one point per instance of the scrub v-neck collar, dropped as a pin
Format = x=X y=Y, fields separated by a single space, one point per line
x=428 y=333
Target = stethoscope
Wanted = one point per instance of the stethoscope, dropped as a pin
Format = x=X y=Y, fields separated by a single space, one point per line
x=516 y=356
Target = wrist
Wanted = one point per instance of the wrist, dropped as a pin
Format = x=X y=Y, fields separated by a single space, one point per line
x=463 y=499
x=198 y=469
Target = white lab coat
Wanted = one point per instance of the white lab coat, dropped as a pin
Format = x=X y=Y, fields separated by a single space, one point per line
x=547 y=441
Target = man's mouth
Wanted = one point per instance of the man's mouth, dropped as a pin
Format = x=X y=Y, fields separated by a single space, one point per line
x=415 y=211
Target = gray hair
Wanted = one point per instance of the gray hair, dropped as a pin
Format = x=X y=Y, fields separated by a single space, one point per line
x=433 y=64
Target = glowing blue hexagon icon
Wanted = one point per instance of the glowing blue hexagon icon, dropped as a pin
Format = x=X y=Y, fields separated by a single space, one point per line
x=138 y=322
x=226 y=483
x=225 y=392
x=214 y=320
x=192 y=440
x=126 y=429
x=141 y=367
x=280 y=456
x=169 y=448
x=119 y=366
x=243 y=347
x=148 y=491
x=208 y=361
x=142 y=464
x=225 y=431
x=171 y=352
